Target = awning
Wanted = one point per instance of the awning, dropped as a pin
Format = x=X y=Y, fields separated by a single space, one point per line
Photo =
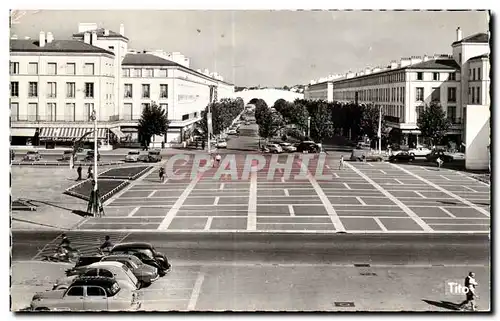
x=23 y=132
x=118 y=132
x=69 y=133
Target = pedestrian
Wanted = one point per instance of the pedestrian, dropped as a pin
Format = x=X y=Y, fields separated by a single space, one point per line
x=217 y=159
x=341 y=163
x=90 y=174
x=79 y=172
x=439 y=162
x=470 y=295
x=203 y=145
x=162 y=174
x=107 y=245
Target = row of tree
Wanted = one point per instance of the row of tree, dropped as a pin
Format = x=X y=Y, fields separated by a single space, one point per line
x=223 y=114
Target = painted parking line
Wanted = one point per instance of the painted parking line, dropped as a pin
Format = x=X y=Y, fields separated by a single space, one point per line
x=383 y=172
x=196 y=291
x=290 y=209
x=216 y=201
x=420 y=194
x=252 y=203
x=221 y=187
x=401 y=205
x=286 y=192
x=132 y=212
x=470 y=189
x=397 y=180
x=347 y=186
x=458 y=198
x=447 y=212
x=380 y=224
x=209 y=223
x=336 y=175
x=360 y=200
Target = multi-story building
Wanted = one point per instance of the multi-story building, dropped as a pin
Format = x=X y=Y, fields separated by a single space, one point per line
x=403 y=89
x=56 y=84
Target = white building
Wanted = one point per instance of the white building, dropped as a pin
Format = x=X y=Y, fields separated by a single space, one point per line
x=403 y=89
x=55 y=85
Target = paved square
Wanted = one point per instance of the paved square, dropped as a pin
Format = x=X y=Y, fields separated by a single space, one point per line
x=362 y=197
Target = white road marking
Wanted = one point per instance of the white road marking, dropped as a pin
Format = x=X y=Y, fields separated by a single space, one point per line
x=397 y=180
x=177 y=205
x=370 y=164
x=252 y=203
x=282 y=179
x=209 y=222
x=447 y=212
x=132 y=212
x=401 y=205
x=286 y=192
x=446 y=178
x=290 y=209
x=337 y=223
x=165 y=181
x=196 y=291
x=383 y=172
x=379 y=222
x=221 y=187
x=470 y=189
x=459 y=198
x=336 y=175
x=360 y=200
x=347 y=186
x=420 y=194
x=327 y=166
x=458 y=223
x=151 y=194
x=216 y=201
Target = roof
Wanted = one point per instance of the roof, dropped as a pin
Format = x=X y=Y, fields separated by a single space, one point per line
x=436 y=64
x=18 y=45
x=100 y=33
x=92 y=280
x=487 y=56
x=476 y=38
x=132 y=245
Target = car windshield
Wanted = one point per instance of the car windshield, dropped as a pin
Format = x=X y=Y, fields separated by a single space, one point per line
x=133 y=153
x=154 y=153
x=147 y=252
x=31 y=153
x=114 y=289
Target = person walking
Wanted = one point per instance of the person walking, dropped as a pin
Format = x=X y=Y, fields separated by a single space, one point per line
x=107 y=245
x=162 y=174
x=89 y=172
x=217 y=159
x=203 y=145
x=439 y=162
x=341 y=162
x=79 y=172
x=470 y=295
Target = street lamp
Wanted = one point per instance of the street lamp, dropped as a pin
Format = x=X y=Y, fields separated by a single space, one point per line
x=308 y=127
x=380 y=129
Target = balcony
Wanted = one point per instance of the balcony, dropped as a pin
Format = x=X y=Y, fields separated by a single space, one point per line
x=34 y=118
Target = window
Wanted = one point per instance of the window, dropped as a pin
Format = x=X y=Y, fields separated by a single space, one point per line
x=479 y=74
x=185 y=117
x=69 y=112
x=14 y=89
x=420 y=94
x=162 y=73
x=127 y=111
x=95 y=291
x=453 y=76
x=70 y=90
x=126 y=72
x=88 y=109
x=165 y=108
x=52 y=68
x=435 y=76
x=33 y=68
x=451 y=113
x=88 y=69
x=420 y=76
x=111 y=48
x=478 y=95
x=419 y=111
x=89 y=90
x=32 y=111
x=144 y=105
x=75 y=291
x=51 y=90
x=106 y=273
x=145 y=91
x=128 y=91
x=460 y=58
x=436 y=94
x=137 y=72
x=452 y=94
x=33 y=89
x=148 y=73
x=473 y=95
x=71 y=68
x=14 y=111
x=51 y=112
x=14 y=68
x=163 y=91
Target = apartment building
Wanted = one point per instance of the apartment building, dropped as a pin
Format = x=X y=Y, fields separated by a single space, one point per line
x=56 y=84
x=403 y=89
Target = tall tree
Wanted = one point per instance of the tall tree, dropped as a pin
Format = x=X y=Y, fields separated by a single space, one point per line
x=261 y=109
x=433 y=123
x=321 y=122
x=369 y=121
x=153 y=121
x=223 y=114
x=271 y=123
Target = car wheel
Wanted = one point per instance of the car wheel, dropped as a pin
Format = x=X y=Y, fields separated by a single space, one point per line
x=412 y=154
x=410 y=160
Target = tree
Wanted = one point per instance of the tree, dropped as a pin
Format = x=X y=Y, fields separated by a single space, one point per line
x=433 y=123
x=154 y=121
x=369 y=121
x=271 y=123
x=223 y=114
x=321 y=122
x=293 y=113
x=260 y=110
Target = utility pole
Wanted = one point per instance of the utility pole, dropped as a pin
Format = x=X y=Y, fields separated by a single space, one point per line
x=308 y=127
x=380 y=130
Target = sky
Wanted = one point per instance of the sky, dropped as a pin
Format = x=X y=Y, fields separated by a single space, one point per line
x=272 y=48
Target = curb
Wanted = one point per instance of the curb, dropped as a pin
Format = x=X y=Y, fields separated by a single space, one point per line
x=58 y=164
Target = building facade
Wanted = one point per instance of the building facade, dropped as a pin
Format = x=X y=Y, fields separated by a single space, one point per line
x=403 y=89
x=56 y=84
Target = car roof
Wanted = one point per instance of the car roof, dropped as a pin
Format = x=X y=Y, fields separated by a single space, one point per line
x=94 y=280
x=104 y=264
x=120 y=257
x=129 y=245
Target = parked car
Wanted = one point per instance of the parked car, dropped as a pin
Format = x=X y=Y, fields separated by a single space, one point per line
x=420 y=151
x=247 y=123
x=90 y=156
x=66 y=156
x=146 y=253
x=232 y=132
x=221 y=143
x=132 y=156
x=402 y=156
x=433 y=156
x=274 y=148
x=308 y=147
x=146 y=274
x=87 y=294
x=112 y=269
x=287 y=147
x=32 y=156
x=153 y=156
x=365 y=155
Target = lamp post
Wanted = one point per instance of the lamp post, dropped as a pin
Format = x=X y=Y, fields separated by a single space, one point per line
x=94 y=118
x=308 y=127
x=380 y=130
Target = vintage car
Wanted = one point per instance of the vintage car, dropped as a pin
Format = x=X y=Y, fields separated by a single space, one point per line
x=308 y=147
x=66 y=156
x=402 y=156
x=153 y=156
x=87 y=294
x=117 y=270
x=90 y=156
x=420 y=151
x=146 y=253
x=132 y=156
x=435 y=154
x=32 y=156
x=287 y=147
x=274 y=148
x=221 y=143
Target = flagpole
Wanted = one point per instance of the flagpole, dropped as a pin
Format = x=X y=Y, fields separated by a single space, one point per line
x=380 y=130
x=95 y=150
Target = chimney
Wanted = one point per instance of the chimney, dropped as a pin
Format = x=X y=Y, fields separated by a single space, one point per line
x=106 y=32
x=405 y=62
x=122 y=29
x=27 y=38
x=394 y=64
x=42 y=39
x=426 y=58
x=93 y=38
x=459 y=34
x=50 y=37
x=415 y=60
x=14 y=37
x=86 y=37
x=376 y=69
x=368 y=71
